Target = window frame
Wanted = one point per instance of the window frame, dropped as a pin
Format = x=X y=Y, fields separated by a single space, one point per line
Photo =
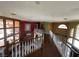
x=5 y=28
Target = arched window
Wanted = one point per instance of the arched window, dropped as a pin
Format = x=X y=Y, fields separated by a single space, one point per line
x=62 y=26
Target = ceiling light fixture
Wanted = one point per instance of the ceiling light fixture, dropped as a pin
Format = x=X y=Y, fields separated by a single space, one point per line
x=37 y=2
x=65 y=18
x=13 y=14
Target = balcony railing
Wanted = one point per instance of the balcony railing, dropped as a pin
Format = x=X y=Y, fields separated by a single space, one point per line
x=66 y=49
x=22 y=48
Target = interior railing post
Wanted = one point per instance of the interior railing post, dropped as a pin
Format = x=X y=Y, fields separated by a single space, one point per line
x=19 y=50
x=22 y=50
x=25 y=47
x=30 y=46
x=12 y=51
x=16 y=50
x=3 y=52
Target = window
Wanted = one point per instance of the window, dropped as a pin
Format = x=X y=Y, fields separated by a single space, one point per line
x=9 y=31
x=77 y=32
x=9 y=23
x=70 y=40
x=17 y=24
x=62 y=26
x=16 y=37
x=76 y=44
x=16 y=30
x=1 y=33
x=72 y=32
x=76 y=41
x=10 y=39
x=2 y=42
x=1 y=23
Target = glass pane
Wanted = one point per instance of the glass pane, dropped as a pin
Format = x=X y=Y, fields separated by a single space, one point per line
x=17 y=37
x=77 y=32
x=10 y=39
x=2 y=42
x=69 y=40
x=9 y=32
x=1 y=33
x=72 y=32
x=17 y=24
x=9 y=23
x=76 y=44
x=16 y=30
x=1 y=23
x=62 y=26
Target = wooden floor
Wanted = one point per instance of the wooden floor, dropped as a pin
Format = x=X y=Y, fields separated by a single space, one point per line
x=48 y=50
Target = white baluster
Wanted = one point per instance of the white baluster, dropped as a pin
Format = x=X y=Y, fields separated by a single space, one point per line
x=30 y=46
x=16 y=50
x=19 y=50
x=33 y=45
x=22 y=48
x=3 y=52
x=12 y=51
x=25 y=48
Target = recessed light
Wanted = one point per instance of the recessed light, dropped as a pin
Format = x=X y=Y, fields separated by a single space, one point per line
x=13 y=14
x=65 y=18
x=37 y=2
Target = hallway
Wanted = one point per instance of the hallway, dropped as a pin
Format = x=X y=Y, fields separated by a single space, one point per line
x=48 y=50
x=26 y=29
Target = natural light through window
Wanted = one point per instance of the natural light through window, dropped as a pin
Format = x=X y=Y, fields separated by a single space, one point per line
x=76 y=42
x=2 y=42
x=1 y=23
x=77 y=32
x=69 y=40
x=62 y=26
x=72 y=32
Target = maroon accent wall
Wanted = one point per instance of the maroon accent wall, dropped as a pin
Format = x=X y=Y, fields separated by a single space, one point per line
x=22 y=26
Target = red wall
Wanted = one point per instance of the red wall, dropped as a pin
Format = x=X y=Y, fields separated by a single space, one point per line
x=22 y=26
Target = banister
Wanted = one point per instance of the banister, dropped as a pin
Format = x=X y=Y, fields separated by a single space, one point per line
x=71 y=47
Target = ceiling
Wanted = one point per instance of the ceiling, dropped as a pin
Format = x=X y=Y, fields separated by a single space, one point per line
x=47 y=11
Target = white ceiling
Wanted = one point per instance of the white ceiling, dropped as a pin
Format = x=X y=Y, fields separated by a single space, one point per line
x=53 y=11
